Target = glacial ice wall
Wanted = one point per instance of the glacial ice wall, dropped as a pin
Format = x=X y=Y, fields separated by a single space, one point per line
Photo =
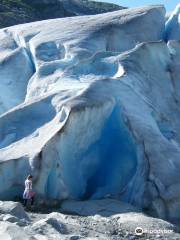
x=173 y=25
x=90 y=107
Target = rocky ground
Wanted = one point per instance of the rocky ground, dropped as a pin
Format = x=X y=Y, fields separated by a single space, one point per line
x=98 y=219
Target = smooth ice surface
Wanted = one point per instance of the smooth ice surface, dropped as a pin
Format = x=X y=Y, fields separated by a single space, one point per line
x=95 y=109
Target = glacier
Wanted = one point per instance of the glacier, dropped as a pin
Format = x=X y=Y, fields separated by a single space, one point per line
x=173 y=25
x=90 y=106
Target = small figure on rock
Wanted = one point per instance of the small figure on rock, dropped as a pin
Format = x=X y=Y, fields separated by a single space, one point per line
x=28 y=192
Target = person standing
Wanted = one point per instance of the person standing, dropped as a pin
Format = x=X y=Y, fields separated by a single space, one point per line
x=28 y=192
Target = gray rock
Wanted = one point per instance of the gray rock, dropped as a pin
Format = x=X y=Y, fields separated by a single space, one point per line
x=106 y=207
x=12 y=210
x=10 y=218
x=10 y=231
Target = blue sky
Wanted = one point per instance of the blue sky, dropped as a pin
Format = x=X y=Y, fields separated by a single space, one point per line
x=169 y=4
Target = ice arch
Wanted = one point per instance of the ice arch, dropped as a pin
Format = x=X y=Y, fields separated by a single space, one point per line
x=117 y=162
x=102 y=165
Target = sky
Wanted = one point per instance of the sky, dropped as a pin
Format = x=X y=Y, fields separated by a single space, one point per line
x=169 y=4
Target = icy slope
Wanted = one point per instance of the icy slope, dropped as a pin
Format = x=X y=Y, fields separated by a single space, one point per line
x=173 y=25
x=100 y=115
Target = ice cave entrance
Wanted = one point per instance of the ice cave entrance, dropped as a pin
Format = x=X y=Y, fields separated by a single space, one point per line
x=114 y=165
